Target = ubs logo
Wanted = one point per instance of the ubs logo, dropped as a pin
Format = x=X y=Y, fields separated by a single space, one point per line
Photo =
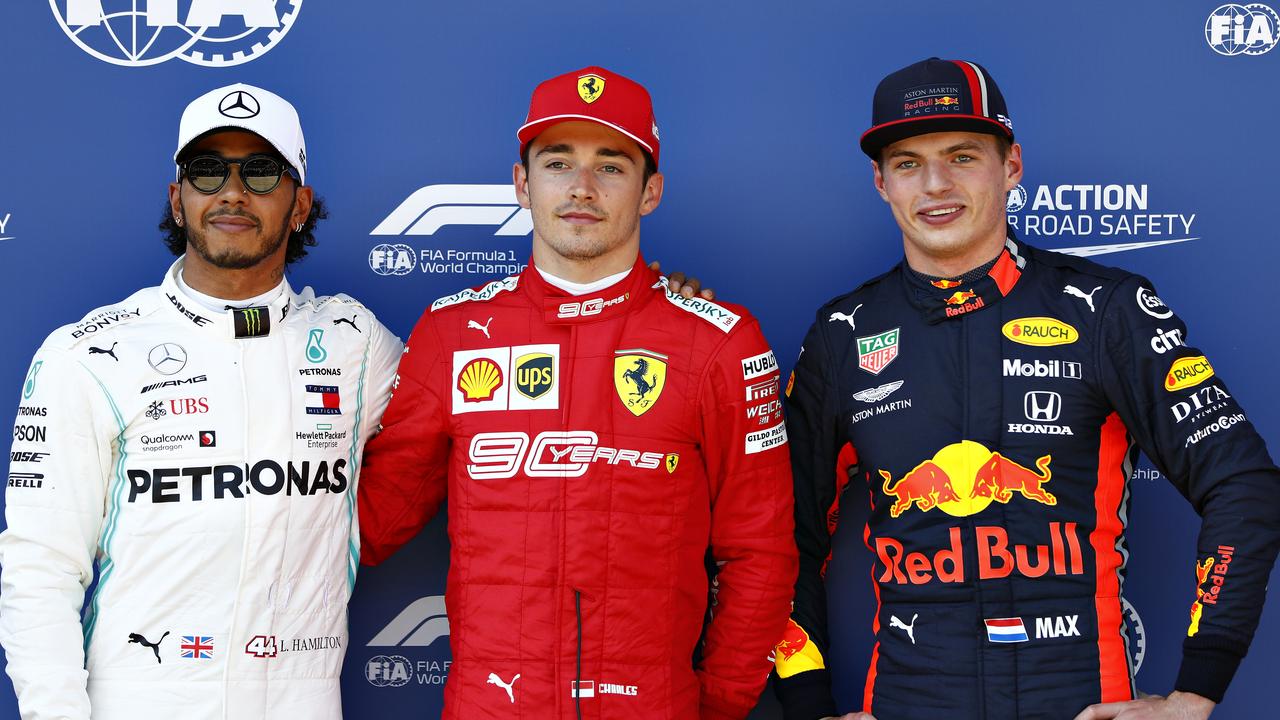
x=212 y=33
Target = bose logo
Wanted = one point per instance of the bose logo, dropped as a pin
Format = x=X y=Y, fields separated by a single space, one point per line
x=435 y=206
x=1042 y=405
x=421 y=623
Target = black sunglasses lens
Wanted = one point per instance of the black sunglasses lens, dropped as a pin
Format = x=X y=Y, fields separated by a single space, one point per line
x=207 y=174
x=261 y=174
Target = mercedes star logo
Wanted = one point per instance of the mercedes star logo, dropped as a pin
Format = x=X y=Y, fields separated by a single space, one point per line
x=239 y=105
x=167 y=358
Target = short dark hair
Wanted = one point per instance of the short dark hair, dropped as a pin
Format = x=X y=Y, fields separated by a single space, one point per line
x=650 y=167
x=175 y=236
x=1003 y=145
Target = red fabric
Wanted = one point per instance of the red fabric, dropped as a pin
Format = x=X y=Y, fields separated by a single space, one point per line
x=628 y=542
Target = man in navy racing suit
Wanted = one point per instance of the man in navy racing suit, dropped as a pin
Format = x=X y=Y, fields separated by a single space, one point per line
x=993 y=397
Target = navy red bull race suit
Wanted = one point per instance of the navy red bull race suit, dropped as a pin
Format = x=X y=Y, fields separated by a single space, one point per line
x=996 y=422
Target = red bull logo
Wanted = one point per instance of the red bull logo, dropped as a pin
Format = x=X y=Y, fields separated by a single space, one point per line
x=997 y=557
x=947 y=100
x=964 y=478
x=795 y=652
x=793 y=641
x=945 y=284
x=958 y=297
x=1211 y=572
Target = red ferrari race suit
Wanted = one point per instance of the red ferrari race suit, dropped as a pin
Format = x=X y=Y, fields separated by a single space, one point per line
x=598 y=452
x=995 y=424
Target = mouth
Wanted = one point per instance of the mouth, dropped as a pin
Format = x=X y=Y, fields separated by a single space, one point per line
x=232 y=223
x=580 y=218
x=941 y=214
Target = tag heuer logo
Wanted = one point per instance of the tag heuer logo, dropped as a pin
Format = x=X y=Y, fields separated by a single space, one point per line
x=875 y=352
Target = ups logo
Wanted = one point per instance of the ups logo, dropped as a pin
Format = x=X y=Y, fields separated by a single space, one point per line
x=535 y=375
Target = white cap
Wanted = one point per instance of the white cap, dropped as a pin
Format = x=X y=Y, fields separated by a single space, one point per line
x=248 y=108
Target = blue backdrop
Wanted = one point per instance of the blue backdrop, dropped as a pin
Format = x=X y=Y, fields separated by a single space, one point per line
x=1142 y=122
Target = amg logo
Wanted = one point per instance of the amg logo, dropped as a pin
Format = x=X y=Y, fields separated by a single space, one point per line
x=174 y=383
x=1056 y=627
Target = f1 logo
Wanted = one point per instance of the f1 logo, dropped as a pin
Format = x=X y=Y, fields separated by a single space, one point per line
x=1042 y=405
x=435 y=206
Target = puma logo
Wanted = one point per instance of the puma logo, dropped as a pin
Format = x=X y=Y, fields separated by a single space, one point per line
x=351 y=322
x=473 y=325
x=109 y=351
x=1074 y=291
x=155 y=646
x=495 y=680
x=845 y=318
x=894 y=622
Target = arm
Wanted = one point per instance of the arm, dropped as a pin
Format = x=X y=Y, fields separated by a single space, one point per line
x=751 y=532
x=1183 y=416
x=803 y=686
x=406 y=465
x=381 y=360
x=54 y=505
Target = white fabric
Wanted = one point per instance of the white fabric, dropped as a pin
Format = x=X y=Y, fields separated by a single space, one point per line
x=574 y=288
x=215 y=304
x=185 y=539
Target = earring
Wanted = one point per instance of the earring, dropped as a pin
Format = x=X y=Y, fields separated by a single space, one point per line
x=298 y=228
x=178 y=220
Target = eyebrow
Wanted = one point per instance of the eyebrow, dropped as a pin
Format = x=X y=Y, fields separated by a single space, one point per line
x=567 y=148
x=966 y=145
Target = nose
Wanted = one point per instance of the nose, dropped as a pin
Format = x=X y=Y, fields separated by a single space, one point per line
x=583 y=188
x=234 y=190
x=937 y=178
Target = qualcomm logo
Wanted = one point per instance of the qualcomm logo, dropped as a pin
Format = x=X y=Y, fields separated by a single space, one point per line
x=213 y=33
x=418 y=625
x=435 y=206
x=1251 y=29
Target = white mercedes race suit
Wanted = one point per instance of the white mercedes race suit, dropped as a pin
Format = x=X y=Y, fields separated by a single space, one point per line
x=207 y=463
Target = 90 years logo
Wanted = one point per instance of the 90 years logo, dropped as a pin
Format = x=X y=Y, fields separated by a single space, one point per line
x=213 y=33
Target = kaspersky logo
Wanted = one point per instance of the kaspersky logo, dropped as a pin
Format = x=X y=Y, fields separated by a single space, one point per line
x=964 y=478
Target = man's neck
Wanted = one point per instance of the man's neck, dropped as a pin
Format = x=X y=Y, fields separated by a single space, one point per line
x=953 y=264
x=583 y=271
x=231 y=284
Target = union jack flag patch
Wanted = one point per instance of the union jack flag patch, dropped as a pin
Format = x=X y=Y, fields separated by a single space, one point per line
x=197 y=647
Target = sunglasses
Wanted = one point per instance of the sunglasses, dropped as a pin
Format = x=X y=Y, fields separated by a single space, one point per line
x=260 y=173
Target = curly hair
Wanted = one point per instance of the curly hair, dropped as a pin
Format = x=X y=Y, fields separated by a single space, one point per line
x=175 y=236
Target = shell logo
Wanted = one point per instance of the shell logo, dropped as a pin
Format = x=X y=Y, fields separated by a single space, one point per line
x=479 y=379
x=1188 y=372
x=1040 y=331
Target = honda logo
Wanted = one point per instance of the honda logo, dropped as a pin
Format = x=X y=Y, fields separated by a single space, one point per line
x=1042 y=405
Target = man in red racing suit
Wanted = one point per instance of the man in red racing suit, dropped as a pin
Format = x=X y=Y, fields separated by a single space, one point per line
x=600 y=440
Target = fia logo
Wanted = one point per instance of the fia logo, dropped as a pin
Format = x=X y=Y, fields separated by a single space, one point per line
x=1242 y=29
x=212 y=33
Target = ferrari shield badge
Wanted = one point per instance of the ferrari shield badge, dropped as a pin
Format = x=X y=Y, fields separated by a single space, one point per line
x=590 y=88
x=639 y=376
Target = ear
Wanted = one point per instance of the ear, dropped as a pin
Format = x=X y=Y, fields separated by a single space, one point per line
x=302 y=200
x=1013 y=167
x=652 y=194
x=878 y=179
x=520 y=178
x=175 y=202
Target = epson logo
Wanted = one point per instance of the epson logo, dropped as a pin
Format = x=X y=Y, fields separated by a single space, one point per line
x=433 y=207
x=1014 y=367
x=265 y=477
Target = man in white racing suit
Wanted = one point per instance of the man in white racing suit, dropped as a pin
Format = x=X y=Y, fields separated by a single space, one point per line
x=198 y=444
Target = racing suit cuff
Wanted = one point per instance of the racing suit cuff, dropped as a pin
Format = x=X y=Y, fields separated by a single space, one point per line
x=1207 y=672
x=806 y=695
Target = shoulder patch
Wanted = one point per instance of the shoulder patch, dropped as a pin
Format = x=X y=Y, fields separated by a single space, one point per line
x=484 y=292
x=104 y=319
x=718 y=315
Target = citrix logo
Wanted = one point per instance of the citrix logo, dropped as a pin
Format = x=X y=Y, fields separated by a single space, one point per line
x=433 y=207
x=421 y=623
